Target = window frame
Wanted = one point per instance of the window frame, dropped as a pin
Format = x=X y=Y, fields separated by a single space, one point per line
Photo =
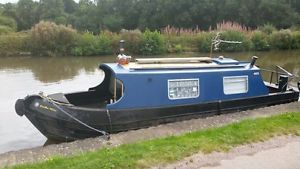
x=233 y=77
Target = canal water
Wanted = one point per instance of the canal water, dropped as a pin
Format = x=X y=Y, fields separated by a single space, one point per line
x=21 y=76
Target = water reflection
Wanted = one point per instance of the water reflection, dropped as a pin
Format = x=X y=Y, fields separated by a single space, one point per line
x=54 y=69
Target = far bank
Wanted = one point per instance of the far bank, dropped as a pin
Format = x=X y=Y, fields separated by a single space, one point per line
x=49 y=39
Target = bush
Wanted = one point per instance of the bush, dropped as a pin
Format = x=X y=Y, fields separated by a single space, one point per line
x=86 y=45
x=5 y=29
x=133 y=40
x=104 y=43
x=185 y=41
x=234 y=36
x=89 y=44
x=8 y=22
x=13 y=43
x=47 y=38
x=295 y=40
x=204 y=41
x=281 y=39
x=267 y=29
x=175 y=48
x=65 y=40
x=153 y=43
x=259 y=41
x=178 y=48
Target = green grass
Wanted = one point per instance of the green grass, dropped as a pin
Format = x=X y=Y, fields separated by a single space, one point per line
x=153 y=152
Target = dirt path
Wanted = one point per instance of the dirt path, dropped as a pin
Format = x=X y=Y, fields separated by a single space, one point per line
x=65 y=149
x=277 y=153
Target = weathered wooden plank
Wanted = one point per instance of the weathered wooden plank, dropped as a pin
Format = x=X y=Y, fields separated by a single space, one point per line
x=135 y=66
x=173 y=60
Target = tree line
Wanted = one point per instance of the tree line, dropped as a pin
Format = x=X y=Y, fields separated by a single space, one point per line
x=114 y=15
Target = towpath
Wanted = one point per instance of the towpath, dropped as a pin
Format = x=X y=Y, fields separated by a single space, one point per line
x=277 y=153
x=66 y=149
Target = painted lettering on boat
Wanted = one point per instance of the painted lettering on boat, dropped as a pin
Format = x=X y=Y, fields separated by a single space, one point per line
x=47 y=108
x=256 y=73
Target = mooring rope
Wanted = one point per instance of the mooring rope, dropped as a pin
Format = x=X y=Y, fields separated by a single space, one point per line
x=105 y=134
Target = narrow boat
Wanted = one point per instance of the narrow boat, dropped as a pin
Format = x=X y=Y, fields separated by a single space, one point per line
x=153 y=91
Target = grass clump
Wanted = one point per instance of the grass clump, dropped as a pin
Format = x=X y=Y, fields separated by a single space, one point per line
x=164 y=150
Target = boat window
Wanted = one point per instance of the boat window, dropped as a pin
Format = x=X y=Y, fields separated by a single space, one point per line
x=235 y=84
x=183 y=88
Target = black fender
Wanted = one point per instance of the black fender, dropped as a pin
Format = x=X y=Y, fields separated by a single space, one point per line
x=20 y=107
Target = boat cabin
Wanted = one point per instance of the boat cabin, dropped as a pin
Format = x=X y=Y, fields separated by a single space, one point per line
x=163 y=82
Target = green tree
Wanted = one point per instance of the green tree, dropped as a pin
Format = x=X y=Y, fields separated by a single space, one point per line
x=9 y=10
x=86 y=18
x=26 y=14
x=52 y=10
x=70 y=6
x=98 y=15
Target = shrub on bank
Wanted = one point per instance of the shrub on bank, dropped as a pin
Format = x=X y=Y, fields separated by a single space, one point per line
x=13 y=43
x=85 y=45
x=234 y=36
x=181 y=43
x=295 y=40
x=47 y=38
x=281 y=39
x=133 y=39
x=8 y=22
x=5 y=29
x=267 y=29
x=174 y=48
x=88 y=44
x=104 y=43
x=204 y=40
x=259 y=41
x=153 y=43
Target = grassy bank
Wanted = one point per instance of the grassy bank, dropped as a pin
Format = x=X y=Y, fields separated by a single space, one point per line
x=49 y=39
x=149 y=153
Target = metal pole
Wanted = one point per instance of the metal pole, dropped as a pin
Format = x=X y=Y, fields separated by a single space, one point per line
x=115 y=90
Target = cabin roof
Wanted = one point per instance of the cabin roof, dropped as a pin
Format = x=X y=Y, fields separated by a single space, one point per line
x=164 y=65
